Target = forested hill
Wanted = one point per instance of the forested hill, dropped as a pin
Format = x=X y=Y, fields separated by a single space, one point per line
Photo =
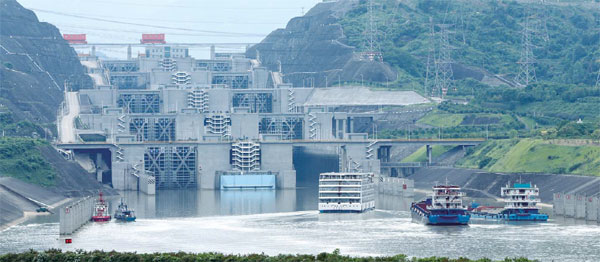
x=35 y=63
x=486 y=35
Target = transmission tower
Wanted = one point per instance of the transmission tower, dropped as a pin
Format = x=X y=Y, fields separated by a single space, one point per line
x=527 y=60
x=542 y=21
x=430 y=67
x=372 y=45
x=597 y=86
x=444 y=76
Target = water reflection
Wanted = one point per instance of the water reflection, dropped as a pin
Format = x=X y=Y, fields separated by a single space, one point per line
x=201 y=203
x=287 y=221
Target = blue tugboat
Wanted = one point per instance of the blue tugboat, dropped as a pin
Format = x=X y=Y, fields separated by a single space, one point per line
x=443 y=208
x=520 y=202
x=124 y=214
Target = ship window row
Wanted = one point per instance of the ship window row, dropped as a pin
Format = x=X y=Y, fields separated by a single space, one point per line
x=333 y=183
x=339 y=201
x=340 y=189
x=342 y=177
x=339 y=194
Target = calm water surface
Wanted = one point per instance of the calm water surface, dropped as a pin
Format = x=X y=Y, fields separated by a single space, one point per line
x=286 y=221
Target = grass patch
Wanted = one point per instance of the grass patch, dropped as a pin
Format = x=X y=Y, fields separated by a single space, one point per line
x=421 y=154
x=533 y=155
x=21 y=158
x=437 y=119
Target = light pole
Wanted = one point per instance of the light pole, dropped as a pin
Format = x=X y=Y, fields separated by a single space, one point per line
x=362 y=80
x=387 y=82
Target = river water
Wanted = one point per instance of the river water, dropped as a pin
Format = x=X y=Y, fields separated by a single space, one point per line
x=286 y=221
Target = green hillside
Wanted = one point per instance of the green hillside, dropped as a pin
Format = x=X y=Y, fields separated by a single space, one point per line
x=421 y=154
x=22 y=159
x=486 y=39
x=533 y=155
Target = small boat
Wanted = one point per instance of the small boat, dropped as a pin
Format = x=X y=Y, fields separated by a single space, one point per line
x=520 y=204
x=123 y=213
x=444 y=207
x=100 y=213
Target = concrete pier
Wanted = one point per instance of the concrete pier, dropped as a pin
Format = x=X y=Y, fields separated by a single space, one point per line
x=75 y=215
x=577 y=206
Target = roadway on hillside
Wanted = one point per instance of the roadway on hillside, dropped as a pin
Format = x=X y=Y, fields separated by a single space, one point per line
x=67 y=130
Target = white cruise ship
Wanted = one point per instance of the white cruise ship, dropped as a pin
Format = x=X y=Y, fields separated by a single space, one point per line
x=346 y=192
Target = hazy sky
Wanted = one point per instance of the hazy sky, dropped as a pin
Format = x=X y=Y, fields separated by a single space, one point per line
x=222 y=21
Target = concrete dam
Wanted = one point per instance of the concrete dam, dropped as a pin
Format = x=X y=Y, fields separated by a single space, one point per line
x=165 y=120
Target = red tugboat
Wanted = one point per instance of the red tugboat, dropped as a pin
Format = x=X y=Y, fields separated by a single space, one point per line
x=101 y=213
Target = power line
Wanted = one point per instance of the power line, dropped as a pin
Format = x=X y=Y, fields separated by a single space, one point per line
x=197 y=6
x=220 y=33
x=181 y=21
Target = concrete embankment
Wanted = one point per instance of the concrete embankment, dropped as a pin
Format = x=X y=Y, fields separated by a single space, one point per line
x=478 y=183
x=20 y=200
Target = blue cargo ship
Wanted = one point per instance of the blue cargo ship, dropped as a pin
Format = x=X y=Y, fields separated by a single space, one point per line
x=443 y=208
x=520 y=204
x=123 y=213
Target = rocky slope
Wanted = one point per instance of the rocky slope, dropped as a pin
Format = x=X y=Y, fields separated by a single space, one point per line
x=311 y=50
x=35 y=63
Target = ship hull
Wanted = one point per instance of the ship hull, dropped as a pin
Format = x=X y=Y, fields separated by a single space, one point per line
x=101 y=218
x=125 y=219
x=511 y=217
x=440 y=220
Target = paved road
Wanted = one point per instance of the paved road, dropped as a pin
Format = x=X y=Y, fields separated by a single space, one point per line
x=67 y=134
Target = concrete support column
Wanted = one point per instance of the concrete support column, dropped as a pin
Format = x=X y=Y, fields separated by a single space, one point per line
x=351 y=125
x=429 y=157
